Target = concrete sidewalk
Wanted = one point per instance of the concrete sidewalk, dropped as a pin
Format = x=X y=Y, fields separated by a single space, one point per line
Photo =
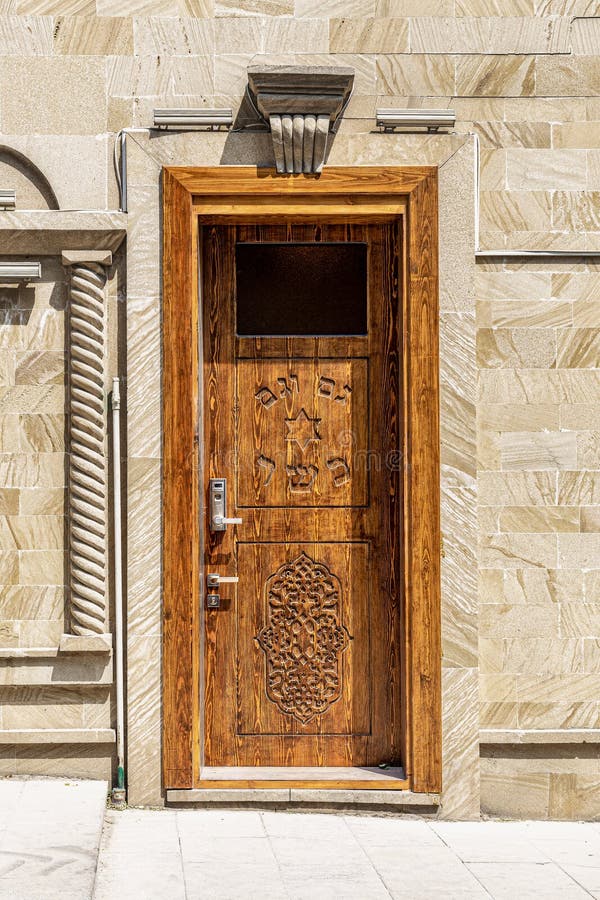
x=50 y=835
x=188 y=855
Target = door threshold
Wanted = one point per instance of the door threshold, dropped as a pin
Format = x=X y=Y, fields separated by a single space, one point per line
x=304 y=777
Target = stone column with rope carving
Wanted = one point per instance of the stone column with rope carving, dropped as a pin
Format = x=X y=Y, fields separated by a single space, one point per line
x=88 y=481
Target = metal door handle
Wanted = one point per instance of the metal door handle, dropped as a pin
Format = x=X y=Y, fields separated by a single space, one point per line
x=218 y=505
x=213 y=580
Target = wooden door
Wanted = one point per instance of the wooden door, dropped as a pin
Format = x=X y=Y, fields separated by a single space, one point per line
x=301 y=415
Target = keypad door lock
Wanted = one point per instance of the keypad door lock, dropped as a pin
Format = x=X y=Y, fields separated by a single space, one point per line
x=213 y=582
x=218 y=505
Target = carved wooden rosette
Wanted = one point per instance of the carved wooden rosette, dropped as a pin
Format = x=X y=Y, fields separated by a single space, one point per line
x=87 y=434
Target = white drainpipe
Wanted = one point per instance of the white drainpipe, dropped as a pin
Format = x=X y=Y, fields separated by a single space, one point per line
x=118 y=793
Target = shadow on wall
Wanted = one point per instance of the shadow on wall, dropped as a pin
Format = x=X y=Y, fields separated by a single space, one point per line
x=17 y=172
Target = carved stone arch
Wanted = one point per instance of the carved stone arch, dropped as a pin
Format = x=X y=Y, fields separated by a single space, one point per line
x=33 y=188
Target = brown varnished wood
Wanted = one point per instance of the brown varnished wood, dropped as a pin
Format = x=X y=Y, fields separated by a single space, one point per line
x=420 y=706
x=359 y=516
x=180 y=488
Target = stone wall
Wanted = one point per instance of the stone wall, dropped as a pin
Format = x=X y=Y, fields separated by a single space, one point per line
x=522 y=75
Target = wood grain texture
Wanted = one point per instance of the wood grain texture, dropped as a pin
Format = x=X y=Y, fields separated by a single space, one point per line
x=180 y=490
x=419 y=695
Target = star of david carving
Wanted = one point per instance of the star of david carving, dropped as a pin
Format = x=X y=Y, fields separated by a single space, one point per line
x=302 y=429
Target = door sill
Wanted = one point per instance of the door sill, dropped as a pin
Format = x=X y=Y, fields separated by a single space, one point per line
x=304 y=777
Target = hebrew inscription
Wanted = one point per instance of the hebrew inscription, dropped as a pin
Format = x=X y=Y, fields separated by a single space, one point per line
x=303 y=639
x=303 y=432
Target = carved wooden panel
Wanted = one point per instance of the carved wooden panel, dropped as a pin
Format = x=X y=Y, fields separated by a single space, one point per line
x=303 y=638
x=303 y=430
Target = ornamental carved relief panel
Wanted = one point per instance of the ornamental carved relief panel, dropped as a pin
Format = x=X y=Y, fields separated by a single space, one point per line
x=303 y=639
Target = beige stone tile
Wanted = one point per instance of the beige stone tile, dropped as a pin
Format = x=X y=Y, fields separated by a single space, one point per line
x=579 y=550
x=154 y=36
x=528 y=519
x=494 y=7
x=544 y=109
x=539 y=688
x=525 y=314
x=335 y=8
x=43 y=707
x=40 y=501
x=491 y=655
x=531 y=170
x=254 y=8
x=591 y=655
x=574 y=796
x=487 y=518
x=590 y=518
x=519 y=551
x=497 y=688
x=588 y=450
x=566 y=7
x=40 y=367
x=148 y=76
x=586 y=314
x=516 y=796
x=31 y=104
x=551 y=586
x=537 y=656
x=580 y=286
x=580 y=620
x=457 y=398
x=582 y=488
x=501 y=620
x=489 y=35
x=54 y=7
x=33 y=399
x=295 y=36
x=579 y=348
x=457 y=227
x=492 y=170
x=577 y=134
x=10 y=435
x=585 y=36
x=9 y=501
x=9 y=567
x=144 y=721
x=120 y=113
x=9 y=635
x=35 y=603
x=495 y=76
x=41 y=567
x=143 y=390
x=537 y=386
x=415 y=74
x=514 y=347
x=40 y=633
x=144 y=550
x=592 y=586
x=459 y=581
x=7 y=357
x=513 y=134
x=93 y=36
x=498 y=715
x=231 y=73
x=509 y=417
x=394 y=8
x=515 y=210
x=576 y=210
x=25 y=35
x=502 y=285
x=488 y=450
x=517 y=488
x=559 y=714
x=42 y=433
x=532 y=450
x=564 y=76
x=379 y=35
x=32 y=532
x=549 y=240
x=66 y=761
x=460 y=751
x=200 y=8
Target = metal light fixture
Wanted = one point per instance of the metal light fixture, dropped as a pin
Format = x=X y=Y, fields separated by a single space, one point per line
x=8 y=199
x=431 y=119
x=20 y=271
x=192 y=118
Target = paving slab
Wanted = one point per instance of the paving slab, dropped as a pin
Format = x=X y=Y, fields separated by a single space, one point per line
x=49 y=837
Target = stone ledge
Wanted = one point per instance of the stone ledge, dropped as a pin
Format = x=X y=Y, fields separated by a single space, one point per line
x=396 y=799
x=539 y=736
x=57 y=736
x=48 y=232
x=69 y=643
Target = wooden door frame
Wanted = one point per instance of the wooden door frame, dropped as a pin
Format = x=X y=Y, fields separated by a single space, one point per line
x=237 y=193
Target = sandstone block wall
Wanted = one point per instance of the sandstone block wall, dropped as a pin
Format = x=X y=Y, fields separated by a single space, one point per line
x=524 y=76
